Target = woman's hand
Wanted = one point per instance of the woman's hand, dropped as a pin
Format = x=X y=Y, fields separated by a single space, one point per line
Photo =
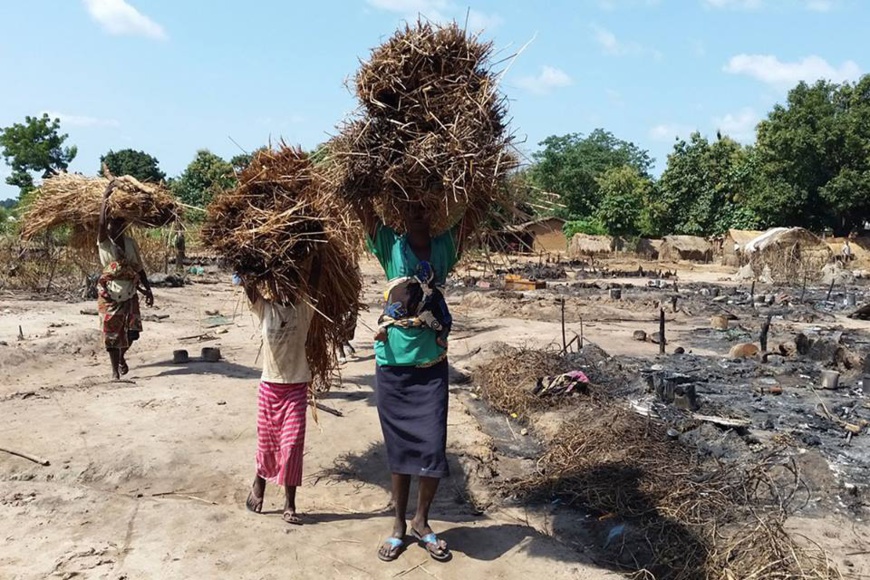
x=149 y=298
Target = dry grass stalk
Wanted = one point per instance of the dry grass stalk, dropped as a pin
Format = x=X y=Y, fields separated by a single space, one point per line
x=75 y=200
x=272 y=226
x=432 y=128
x=692 y=518
x=506 y=383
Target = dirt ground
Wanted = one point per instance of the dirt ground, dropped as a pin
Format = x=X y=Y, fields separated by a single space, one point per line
x=147 y=477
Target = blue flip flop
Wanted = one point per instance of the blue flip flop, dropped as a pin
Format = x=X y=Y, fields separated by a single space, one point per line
x=397 y=545
x=432 y=540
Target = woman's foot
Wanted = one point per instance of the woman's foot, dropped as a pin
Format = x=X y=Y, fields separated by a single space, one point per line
x=123 y=369
x=291 y=517
x=436 y=547
x=254 y=503
x=394 y=545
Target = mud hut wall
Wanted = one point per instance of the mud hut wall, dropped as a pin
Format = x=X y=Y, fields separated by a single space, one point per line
x=548 y=236
x=648 y=248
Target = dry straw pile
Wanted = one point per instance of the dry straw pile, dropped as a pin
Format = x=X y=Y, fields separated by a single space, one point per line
x=431 y=128
x=75 y=200
x=685 y=517
x=272 y=226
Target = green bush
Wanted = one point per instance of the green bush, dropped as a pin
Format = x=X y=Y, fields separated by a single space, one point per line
x=590 y=227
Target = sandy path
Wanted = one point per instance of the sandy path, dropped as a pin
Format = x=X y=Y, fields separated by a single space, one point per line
x=189 y=431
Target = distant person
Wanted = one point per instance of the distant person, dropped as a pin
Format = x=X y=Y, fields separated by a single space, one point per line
x=847 y=252
x=179 y=248
x=346 y=349
x=283 y=396
x=123 y=276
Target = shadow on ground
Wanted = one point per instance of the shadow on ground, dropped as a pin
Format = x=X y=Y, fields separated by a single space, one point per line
x=196 y=367
x=470 y=533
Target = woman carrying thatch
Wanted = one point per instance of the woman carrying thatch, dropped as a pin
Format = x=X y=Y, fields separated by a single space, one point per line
x=411 y=365
x=282 y=395
x=123 y=276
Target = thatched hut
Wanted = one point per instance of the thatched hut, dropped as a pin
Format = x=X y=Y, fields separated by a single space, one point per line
x=648 y=248
x=542 y=235
x=586 y=245
x=689 y=248
x=785 y=255
x=734 y=246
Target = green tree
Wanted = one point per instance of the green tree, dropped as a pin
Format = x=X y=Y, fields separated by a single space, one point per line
x=35 y=146
x=624 y=194
x=138 y=164
x=571 y=164
x=704 y=189
x=814 y=153
x=241 y=161
x=206 y=175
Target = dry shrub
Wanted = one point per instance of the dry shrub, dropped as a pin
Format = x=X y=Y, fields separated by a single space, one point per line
x=272 y=226
x=431 y=130
x=75 y=201
x=42 y=265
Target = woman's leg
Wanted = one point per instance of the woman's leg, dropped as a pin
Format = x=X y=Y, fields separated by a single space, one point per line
x=122 y=362
x=401 y=491
x=115 y=357
x=254 y=502
x=290 y=516
x=420 y=523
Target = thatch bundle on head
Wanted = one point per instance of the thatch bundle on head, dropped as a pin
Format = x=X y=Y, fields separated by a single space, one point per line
x=75 y=201
x=788 y=255
x=432 y=128
x=272 y=226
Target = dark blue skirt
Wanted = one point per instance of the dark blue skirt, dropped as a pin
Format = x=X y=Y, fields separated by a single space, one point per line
x=412 y=406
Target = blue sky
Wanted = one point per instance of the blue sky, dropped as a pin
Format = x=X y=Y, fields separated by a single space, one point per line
x=170 y=77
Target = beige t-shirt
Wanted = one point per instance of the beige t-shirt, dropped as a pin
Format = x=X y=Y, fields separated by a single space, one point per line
x=285 y=330
x=121 y=290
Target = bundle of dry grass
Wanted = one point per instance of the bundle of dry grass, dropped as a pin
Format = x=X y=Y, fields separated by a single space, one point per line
x=506 y=382
x=432 y=128
x=75 y=200
x=271 y=228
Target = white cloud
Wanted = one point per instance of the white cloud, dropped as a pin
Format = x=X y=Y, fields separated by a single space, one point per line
x=549 y=79
x=740 y=126
x=439 y=11
x=121 y=19
x=734 y=4
x=613 y=46
x=81 y=120
x=670 y=131
x=813 y=5
x=769 y=69
x=615 y=4
x=820 y=5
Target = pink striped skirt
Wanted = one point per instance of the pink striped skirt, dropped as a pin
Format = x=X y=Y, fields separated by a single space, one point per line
x=281 y=432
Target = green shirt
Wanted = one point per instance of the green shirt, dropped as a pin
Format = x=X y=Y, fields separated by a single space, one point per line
x=407 y=347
